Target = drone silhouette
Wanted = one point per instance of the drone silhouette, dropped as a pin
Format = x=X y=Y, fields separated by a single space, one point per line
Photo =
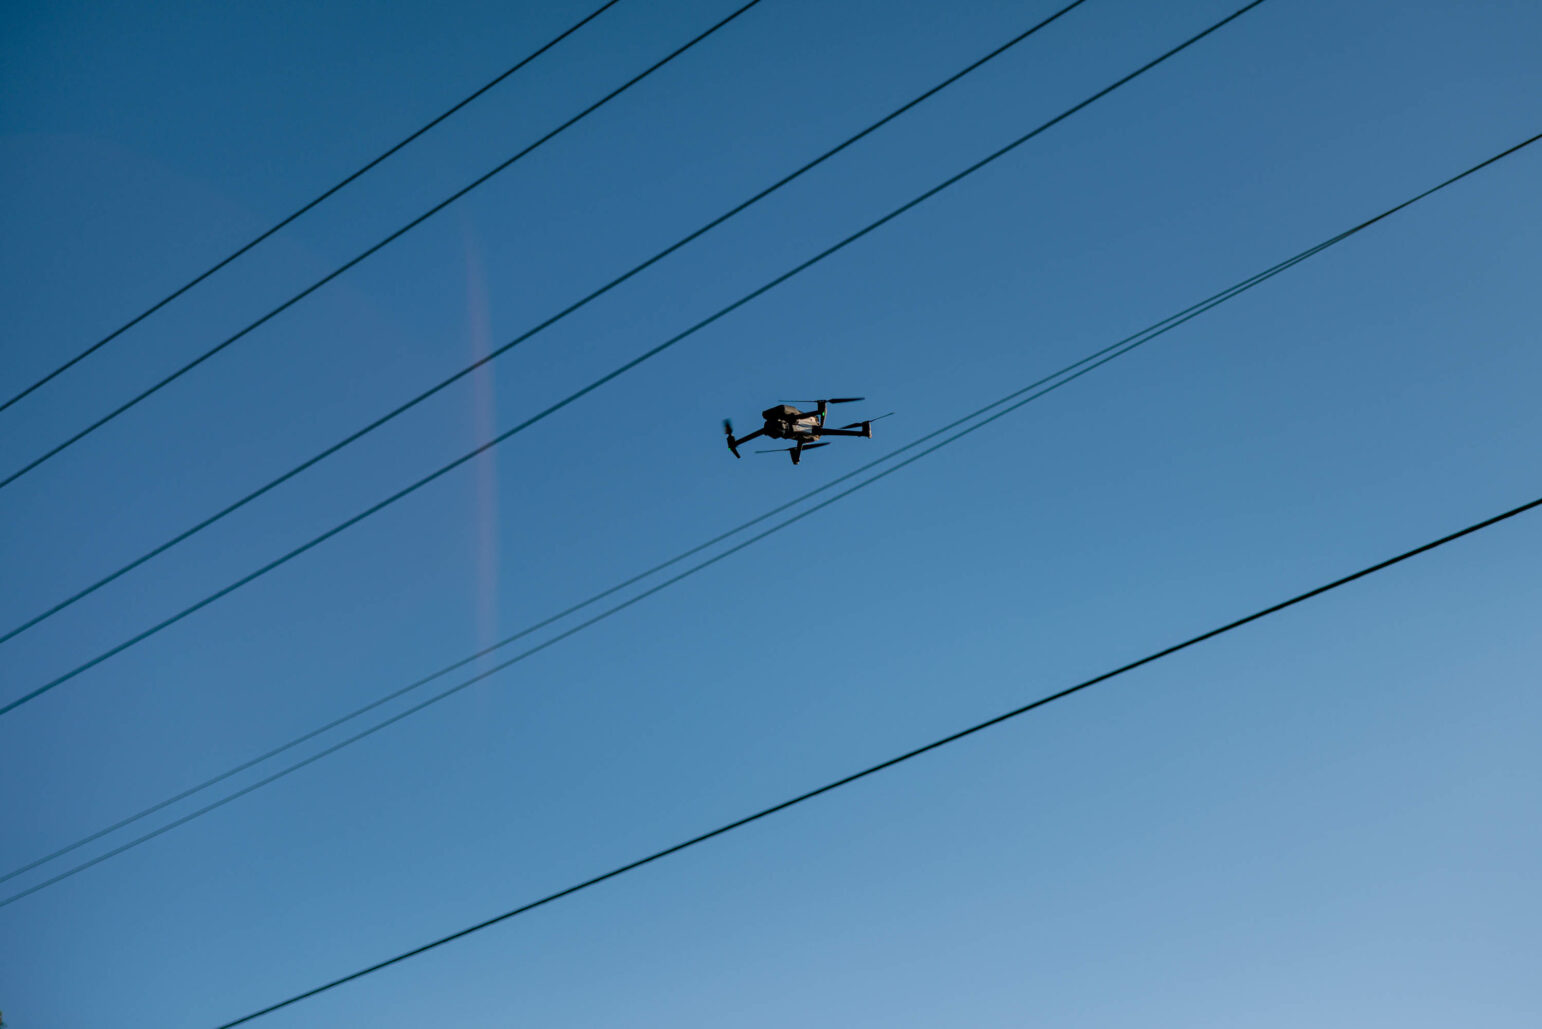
x=805 y=429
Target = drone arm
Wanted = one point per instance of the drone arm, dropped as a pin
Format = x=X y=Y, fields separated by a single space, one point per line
x=733 y=444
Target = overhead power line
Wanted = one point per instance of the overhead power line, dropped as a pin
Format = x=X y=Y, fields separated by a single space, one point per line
x=908 y=755
x=303 y=208
x=615 y=373
x=408 y=405
x=1006 y=404
x=374 y=248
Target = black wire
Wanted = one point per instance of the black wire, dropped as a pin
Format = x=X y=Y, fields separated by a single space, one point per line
x=616 y=373
x=570 y=309
x=899 y=759
x=420 y=219
x=1033 y=391
x=174 y=294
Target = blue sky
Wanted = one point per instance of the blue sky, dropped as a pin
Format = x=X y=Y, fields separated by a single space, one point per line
x=1328 y=818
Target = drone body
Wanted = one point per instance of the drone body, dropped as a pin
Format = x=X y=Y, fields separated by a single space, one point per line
x=804 y=429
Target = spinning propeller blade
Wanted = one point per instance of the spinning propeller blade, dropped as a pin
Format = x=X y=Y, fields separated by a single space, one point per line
x=827 y=400
x=728 y=429
x=858 y=425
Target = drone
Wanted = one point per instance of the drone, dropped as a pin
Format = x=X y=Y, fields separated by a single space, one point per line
x=804 y=428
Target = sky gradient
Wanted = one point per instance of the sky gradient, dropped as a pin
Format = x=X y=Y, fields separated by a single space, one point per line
x=1328 y=818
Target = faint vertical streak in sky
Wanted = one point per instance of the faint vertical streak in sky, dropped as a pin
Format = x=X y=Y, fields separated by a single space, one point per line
x=484 y=416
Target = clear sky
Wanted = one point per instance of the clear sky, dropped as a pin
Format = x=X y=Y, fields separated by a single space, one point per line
x=1329 y=818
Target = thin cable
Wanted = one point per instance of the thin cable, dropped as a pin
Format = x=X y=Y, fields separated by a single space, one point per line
x=174 y=294
x=1033 y=391
x=900 y=759
x=616 y=373
x=570 y=309
x=420 y=219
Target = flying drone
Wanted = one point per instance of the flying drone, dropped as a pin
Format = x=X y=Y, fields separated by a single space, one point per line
x=805 y=429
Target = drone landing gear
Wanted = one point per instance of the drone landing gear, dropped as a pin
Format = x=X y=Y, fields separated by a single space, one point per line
x=797 y=452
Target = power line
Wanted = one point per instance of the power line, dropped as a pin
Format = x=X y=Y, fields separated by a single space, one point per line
x=1016 y=399
x=615 y=373
x=526 y=335
x=244 y=248
x=420 y=219
x=897 y=760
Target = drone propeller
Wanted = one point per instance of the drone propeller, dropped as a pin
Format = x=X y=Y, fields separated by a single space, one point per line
x=827 y=400
x=728 y=429
x=784 y=450
x=866 y=421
